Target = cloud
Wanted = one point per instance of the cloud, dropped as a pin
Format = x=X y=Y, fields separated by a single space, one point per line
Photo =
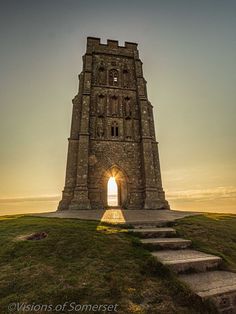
x=228 y=192
x=46 y=198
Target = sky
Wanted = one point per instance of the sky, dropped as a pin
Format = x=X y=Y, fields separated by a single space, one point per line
x=188 y=49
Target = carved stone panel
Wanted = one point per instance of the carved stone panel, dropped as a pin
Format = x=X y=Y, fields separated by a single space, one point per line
x=127 y=107
x=126 y=78
x=100 y=127
x=101 y=102
x=114 y=103
x=128 y=128
x=101 y=75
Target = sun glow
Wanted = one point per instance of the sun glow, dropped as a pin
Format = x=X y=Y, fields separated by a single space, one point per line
x=112 y=192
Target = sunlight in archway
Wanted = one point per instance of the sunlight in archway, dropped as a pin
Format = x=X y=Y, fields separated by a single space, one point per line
x=112 y=192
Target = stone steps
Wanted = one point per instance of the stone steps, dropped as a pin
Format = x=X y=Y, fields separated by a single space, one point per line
x=219 y=286
x=182 y=261
x=197 y=269
x=167 y=243
x=154 y=232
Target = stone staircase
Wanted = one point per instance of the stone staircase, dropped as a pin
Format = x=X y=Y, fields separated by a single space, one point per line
x=200 y=271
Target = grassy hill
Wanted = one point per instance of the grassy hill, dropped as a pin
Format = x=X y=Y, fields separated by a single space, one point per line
x=87 y=263
x=212 y=233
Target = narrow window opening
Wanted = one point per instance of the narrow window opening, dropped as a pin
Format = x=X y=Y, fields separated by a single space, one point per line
x=114 y=129
x=113 y=77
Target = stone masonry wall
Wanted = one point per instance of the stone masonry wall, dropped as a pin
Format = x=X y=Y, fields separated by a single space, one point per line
x=112 y=133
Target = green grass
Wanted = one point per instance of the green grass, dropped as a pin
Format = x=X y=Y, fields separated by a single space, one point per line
x=212 y=233
x=84 y=262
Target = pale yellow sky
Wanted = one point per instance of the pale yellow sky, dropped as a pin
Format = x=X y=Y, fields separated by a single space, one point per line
x=189 y=53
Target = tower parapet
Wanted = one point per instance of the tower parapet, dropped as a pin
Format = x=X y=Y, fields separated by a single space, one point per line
x=111 y=47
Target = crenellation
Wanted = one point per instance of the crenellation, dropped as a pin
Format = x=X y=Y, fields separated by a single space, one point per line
x=131 y=46
x=93 y=41
x=112 y=43
x=112 y=47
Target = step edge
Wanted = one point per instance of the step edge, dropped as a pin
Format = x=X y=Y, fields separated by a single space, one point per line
x=170 y=240
x=151 y=231
x=192 y=260
x=216 y=291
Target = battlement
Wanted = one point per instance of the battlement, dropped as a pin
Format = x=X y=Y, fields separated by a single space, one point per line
x=94 y=43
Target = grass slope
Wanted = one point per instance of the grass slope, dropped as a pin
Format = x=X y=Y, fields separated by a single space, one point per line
x=86 y=263
x=212 y=233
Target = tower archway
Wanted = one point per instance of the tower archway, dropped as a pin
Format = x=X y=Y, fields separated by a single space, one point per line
x=120 y=181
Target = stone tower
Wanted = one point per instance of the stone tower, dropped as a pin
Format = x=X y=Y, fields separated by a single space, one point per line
x=112 y=133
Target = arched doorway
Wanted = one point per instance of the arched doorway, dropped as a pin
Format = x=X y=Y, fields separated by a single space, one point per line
x=115 y=183
x=112 y=192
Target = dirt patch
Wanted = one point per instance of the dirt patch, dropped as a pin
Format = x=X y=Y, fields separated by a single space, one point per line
x=37 y=236
x=33 y=236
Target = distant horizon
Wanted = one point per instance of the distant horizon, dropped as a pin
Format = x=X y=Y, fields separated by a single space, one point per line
x=37 y=204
